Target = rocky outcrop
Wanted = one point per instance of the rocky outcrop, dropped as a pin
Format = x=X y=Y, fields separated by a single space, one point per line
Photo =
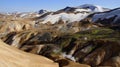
x=107 y=51
x=114 y=62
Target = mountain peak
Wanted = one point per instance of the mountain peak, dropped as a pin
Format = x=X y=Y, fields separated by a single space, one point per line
x=92 y=7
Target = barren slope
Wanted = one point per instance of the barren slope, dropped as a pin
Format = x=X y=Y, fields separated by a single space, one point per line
x=12 y=57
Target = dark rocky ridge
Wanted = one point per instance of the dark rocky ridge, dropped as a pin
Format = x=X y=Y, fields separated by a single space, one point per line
x=94 y=47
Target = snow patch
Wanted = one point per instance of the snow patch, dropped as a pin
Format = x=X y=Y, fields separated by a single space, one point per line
x=107 y=15
x=69 y=57
x=65 y=17
x=82 y=10
x=93 y=8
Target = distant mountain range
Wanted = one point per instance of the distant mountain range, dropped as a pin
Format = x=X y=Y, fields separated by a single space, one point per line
x=72 y=14
x=97 y=14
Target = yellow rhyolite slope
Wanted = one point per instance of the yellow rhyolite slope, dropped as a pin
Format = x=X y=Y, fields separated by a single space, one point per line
x=12 y=57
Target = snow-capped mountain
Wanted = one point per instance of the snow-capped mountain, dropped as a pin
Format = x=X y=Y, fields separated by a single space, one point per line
x=71 y=14
x=109 y=17
x=93 y=8
x=28 y=14
x=85 y=7
x=22 y=14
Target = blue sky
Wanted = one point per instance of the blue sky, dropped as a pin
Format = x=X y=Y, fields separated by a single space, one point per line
x=35 y=5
